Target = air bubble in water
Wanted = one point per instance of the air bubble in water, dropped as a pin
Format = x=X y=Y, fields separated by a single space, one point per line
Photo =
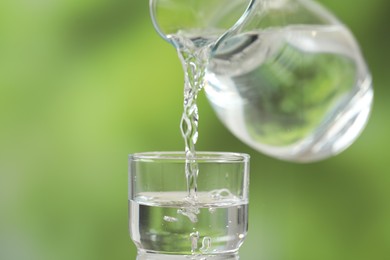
x=190 y=212
x=194 y=237
x=170 y=219
x=221 y=194
x=206 y=244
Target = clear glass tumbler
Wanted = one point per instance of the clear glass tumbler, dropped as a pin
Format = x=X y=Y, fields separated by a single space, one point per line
x=167 y=221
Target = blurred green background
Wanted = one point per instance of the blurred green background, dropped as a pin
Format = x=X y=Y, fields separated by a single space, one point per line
x=85 y=83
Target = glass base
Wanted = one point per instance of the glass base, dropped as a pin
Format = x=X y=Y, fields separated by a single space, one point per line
x=152 y=256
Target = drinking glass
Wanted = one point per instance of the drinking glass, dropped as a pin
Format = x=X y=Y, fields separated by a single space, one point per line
x=168 y=221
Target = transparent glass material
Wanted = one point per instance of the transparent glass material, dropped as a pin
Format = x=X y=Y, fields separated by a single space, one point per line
x=212 y=17
x=165 y=222
x=284 y=76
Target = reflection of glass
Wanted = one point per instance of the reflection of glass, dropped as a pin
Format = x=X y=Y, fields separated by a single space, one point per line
x=284 y=76
x=166 y=223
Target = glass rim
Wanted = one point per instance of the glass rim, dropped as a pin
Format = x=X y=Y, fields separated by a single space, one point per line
x=204 y=156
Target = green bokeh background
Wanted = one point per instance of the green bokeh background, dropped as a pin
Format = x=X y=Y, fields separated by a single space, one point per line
x=85 y=83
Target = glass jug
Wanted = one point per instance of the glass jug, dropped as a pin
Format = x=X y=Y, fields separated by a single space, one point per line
x=284 y=76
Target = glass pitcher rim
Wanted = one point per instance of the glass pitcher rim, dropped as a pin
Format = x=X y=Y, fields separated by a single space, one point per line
x=238 y=23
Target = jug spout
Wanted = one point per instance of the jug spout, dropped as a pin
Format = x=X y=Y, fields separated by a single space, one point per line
x=195 y=18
